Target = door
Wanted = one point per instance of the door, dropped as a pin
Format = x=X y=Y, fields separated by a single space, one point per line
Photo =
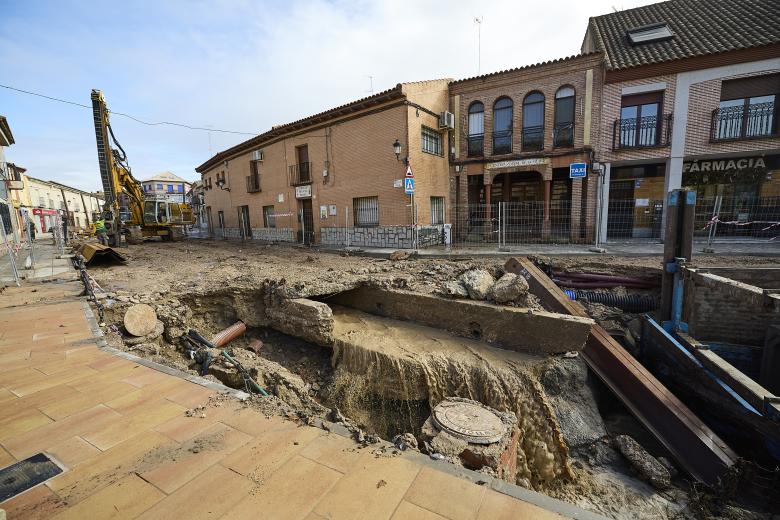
x=243 y=222
x=209 y=222
x=302 y=155
x=221 y=219
x=306 y=220
x=620 y=222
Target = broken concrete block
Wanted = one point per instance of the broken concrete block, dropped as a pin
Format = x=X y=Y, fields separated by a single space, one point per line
x=478 y=283
x=400 y=255
x=140 y=320
x=159 y=328
x=645 y=464
x=454 y=290
x=508 y=288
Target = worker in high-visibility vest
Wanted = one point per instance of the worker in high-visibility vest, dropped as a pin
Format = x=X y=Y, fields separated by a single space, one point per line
x=100 y=231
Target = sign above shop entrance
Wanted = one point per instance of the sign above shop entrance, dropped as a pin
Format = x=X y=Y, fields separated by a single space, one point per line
x=303 y=192
x=517 y=162
x=719 y=165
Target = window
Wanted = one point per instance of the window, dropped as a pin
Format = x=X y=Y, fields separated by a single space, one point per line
x=748 y=108
x=431 y=141
x=253 y=179
x=437 y=211
x=159 y=186
x=269 y=217
x=502 y=126
x=476 y=141
x=640 y=120
x=366 y=211
x=533 y=122
x=170 y=188
x=41 y=202
x=221 y=217
x=649 y=33
x=563 y=131
x=180 y=188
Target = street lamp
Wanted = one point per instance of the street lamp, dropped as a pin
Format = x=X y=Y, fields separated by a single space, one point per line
x=221 y=184
x=397 y=150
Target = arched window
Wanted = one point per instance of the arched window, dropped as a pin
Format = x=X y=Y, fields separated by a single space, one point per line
x=563 y=131
x=476 y=140
x=502 y=126
x=533 y=122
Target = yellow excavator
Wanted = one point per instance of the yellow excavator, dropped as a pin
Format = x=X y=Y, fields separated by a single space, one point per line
x=127 y=211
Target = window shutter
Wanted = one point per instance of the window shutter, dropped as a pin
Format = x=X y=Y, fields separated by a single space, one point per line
x=750 y=87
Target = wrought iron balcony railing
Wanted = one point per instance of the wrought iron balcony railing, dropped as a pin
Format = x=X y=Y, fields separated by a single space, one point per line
x=476 y=145
x=563 y=135
x=502 y=142
x=642 y=132
x=755 y=121
x=533 y=138
x=300 y=174
x=253 y=183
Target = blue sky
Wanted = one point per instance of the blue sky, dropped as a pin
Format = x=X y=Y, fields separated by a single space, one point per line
x=240 y=65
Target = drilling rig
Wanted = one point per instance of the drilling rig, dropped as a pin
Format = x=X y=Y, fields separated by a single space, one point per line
x=127 y=211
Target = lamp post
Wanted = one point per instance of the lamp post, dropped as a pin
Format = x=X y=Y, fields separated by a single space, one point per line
x=221 y=184
x=397 y=151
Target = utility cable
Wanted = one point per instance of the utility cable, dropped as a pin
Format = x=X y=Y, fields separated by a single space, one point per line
x=148 y=123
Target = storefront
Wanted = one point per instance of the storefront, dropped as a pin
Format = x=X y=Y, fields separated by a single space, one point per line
x=741 y=193
x=636 y=202
x=46 y=218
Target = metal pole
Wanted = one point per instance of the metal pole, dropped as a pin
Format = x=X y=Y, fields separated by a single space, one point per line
x=30 y=238
x=10 y=252
x=713 y=222
x=303 y=229
x=346 y=223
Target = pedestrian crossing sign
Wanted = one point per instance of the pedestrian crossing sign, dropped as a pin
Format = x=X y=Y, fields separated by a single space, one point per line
x=409 y=185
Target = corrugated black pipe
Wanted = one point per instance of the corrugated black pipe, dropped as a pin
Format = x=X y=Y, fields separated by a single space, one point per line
x=625 y=302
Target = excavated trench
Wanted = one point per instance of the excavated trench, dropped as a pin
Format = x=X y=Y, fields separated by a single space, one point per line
x=383 y=358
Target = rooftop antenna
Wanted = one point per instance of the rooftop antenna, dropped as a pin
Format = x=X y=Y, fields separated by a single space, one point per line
x=478 y=21
x=371 y=85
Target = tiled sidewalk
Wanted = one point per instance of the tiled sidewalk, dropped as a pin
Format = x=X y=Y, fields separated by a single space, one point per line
x=129 y=451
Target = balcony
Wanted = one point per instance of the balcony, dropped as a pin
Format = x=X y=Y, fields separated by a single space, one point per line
x=253 y=183
x=563 y=135
x=502 y=142
x=533 y=138
x=476 y=145
x=642 y=132
x=754 y=122
x=300 y=174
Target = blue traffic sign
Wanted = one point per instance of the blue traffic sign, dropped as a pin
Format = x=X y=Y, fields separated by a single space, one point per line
x=578 y=170
x=409 y=185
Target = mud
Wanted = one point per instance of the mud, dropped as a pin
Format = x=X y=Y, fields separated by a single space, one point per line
x=320 y=360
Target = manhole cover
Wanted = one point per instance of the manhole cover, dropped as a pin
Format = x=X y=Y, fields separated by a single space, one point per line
x=469 y=421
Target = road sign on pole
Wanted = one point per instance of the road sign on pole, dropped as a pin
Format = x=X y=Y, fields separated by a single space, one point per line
x=409 y=173
x=409 y=185
x=578 y=170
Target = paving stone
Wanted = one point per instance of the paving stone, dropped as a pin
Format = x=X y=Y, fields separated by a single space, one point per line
x=496 y=506
x=276 y=498
x=72 y=451
x=144 y=418
x=372 y=489
x=408 y=511
x=124 y=499
x=207 y=496
x=267 y=452
x=447 y=495
x=38 y=503
x=334 y=451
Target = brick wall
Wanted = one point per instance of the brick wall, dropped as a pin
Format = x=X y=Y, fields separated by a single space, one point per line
x=724 y=310
x=358 y=155
x=704 y=98
x=547 y=79
x=611 y=101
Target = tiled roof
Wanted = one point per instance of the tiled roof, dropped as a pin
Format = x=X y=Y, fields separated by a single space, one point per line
x=524 y=67
x=393 y=93
x=166 y=176
x=700 y=27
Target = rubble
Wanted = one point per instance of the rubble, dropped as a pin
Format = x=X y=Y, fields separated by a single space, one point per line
x=508 y=288
x=648 y=467
x=140 y=320
x=478 y=283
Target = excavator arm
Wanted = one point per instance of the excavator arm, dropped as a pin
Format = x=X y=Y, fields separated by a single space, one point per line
x=118 y=180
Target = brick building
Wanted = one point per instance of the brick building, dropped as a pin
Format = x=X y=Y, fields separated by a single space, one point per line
x=689 y=100
x=335 y=178
x=167 y=185
x=516 y=134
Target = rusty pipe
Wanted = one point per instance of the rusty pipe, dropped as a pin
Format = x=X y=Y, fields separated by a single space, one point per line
x=224 y=337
